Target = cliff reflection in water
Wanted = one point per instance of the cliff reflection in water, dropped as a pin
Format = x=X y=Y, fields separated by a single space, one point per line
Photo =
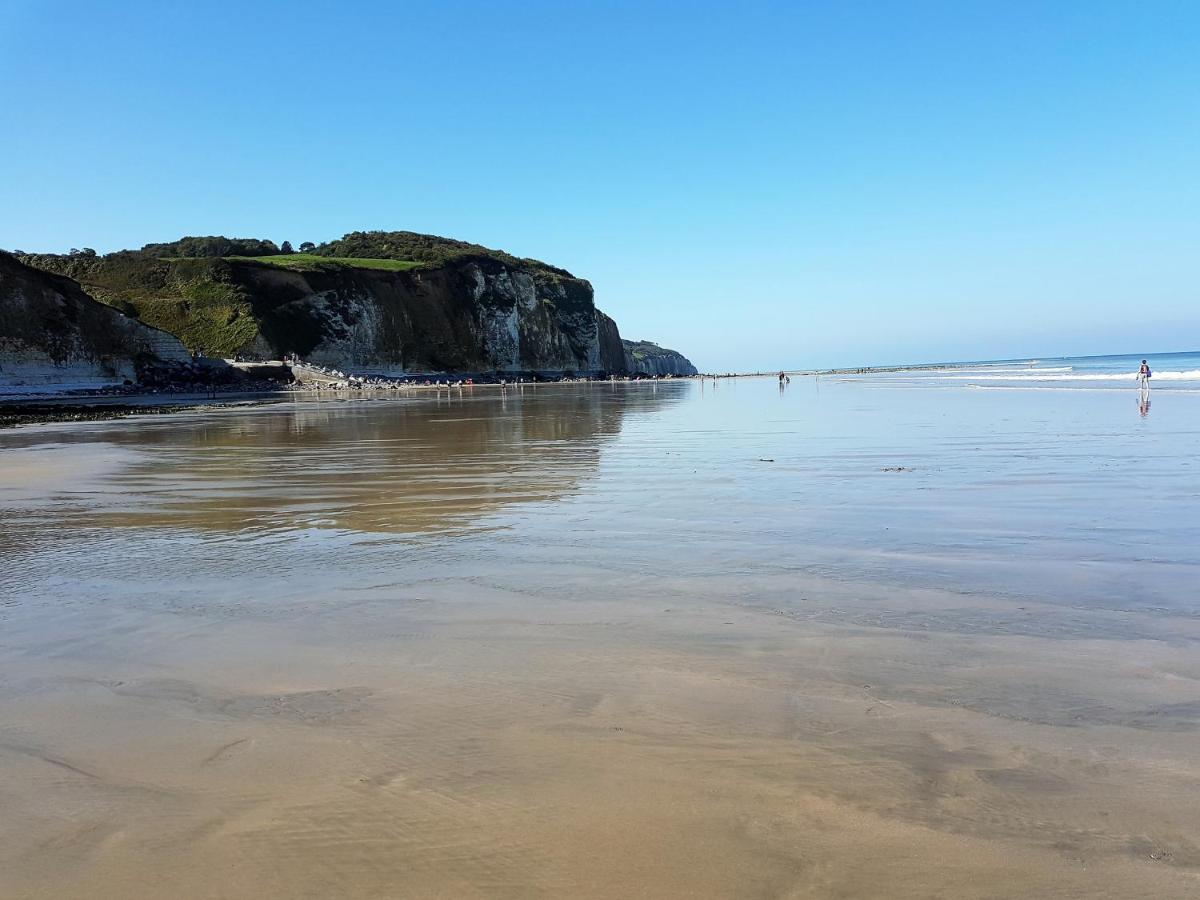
x=408 y=466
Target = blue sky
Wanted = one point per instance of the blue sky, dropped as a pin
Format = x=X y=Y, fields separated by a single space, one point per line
x=758 y=185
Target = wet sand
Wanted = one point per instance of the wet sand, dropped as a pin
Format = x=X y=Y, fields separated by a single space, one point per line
x=580 y=641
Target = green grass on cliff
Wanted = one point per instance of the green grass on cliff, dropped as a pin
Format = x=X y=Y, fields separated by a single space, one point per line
x=196 y=299
x=217 y=328
x=204 y=313
x=310 y=260
x=427 y=249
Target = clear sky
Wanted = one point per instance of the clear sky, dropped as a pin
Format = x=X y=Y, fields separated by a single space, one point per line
x=758 y=185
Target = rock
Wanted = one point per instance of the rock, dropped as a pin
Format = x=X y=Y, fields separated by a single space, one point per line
x=646 y=357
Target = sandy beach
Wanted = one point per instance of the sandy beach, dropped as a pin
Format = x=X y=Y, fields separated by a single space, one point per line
x=851 y=639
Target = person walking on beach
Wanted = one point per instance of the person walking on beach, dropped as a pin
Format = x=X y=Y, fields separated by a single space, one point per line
x=1143 y=377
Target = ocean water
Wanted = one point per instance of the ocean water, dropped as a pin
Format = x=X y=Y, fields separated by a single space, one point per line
x=900 y=634
x=1171 y=371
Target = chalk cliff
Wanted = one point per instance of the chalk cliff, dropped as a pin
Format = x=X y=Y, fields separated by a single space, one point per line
x=474 y=315
x=53 y=336
x=384 y=302
x=648 y=358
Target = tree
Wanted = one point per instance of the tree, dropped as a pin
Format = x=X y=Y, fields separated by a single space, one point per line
x=286 y=247
x=308 y=247
x=212 y=246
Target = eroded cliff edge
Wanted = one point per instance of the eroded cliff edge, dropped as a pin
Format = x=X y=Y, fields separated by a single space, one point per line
x=472 y=315
x=54 y=336
x=647 y=358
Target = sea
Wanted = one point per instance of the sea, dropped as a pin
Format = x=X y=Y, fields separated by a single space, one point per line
x=1171 y=371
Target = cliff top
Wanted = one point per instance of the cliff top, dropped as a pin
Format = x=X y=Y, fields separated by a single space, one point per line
x=387 y=250
x=644 y=348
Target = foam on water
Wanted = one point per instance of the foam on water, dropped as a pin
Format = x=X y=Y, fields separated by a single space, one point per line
x=1171 y=371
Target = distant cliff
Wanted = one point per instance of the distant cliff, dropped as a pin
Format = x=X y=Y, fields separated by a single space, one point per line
x=53 y=335
x=649 y=358
x=370 y=302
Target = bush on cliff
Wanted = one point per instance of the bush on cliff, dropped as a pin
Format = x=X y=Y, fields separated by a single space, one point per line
x=211 y=246
x=426 y=249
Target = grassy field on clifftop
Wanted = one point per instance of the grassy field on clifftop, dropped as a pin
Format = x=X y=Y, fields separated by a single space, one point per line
x=311 y=260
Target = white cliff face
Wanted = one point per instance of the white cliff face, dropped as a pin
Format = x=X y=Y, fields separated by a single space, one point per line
x=503 y=301
x=474 y=316
x=529 y=323
x=25 y=369
x=350 y=324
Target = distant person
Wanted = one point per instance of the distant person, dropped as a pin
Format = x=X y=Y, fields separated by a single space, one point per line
x=1143 y=377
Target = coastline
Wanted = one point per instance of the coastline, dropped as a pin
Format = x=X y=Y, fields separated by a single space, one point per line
x=73 y=403
x=73 y=406
x=67 y=404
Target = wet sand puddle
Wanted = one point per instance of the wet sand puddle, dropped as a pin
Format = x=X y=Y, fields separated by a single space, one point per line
x=582 y=642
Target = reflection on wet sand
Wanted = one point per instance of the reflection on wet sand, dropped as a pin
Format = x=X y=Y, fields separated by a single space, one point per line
x=632 y=672
x=372 y=466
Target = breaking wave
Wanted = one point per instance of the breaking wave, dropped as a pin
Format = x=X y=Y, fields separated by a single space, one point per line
x=1046 y=375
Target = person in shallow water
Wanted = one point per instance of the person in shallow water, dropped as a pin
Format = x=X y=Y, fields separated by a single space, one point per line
x=1143 y=377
